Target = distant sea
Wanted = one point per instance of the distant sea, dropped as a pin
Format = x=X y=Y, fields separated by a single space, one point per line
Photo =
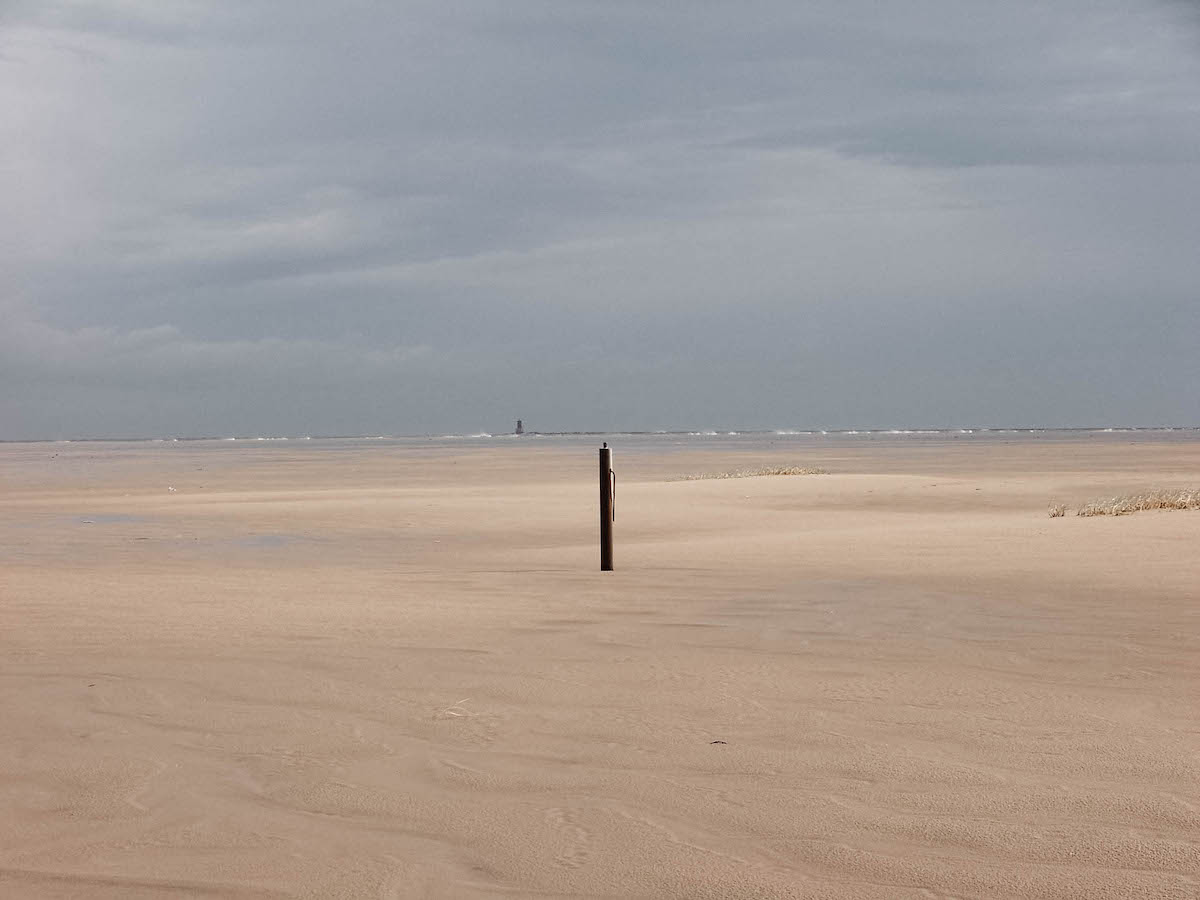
x=717 y=437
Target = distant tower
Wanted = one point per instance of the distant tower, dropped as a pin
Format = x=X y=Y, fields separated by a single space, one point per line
x=520 y=428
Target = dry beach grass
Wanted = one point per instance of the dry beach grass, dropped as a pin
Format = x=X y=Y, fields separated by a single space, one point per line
x=397 y=672
x=1129 y=503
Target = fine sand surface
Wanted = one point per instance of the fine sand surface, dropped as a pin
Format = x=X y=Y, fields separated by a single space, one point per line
x=379 y=671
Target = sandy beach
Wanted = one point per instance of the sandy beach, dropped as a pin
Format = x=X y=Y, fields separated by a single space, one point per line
x=353 y=670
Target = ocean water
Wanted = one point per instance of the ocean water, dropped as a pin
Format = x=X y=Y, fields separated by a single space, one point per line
x=715 y=438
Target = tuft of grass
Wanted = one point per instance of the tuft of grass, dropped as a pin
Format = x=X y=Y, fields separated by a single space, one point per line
x=1058 y=510
x=755 y=473
x=1158 y=499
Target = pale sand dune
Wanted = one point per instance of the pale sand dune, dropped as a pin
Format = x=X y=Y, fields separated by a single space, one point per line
x=394 y=673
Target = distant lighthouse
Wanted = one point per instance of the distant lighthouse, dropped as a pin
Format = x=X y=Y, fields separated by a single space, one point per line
x=520 y=428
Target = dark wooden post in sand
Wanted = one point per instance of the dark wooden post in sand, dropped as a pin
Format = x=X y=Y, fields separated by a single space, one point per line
x=608 y=480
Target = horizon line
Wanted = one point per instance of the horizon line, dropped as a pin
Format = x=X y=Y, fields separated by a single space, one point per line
x=708 y=432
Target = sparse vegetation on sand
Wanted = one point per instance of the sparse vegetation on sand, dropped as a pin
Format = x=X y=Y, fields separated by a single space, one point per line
x=1058 y=510
x=755 y=473
x=1159 y=499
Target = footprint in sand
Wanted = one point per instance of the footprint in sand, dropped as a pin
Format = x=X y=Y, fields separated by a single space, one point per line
x=577 y=838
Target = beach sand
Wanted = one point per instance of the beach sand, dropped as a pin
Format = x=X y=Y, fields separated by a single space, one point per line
x=377 y=671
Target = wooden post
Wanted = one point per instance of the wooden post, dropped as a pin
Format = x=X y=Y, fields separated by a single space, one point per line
x=607 y=485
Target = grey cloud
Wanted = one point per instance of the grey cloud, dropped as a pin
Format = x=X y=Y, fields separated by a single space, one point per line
x=164 y=356
x=787 y=204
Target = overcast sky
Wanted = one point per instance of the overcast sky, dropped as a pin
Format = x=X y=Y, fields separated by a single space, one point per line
x=425 y=216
